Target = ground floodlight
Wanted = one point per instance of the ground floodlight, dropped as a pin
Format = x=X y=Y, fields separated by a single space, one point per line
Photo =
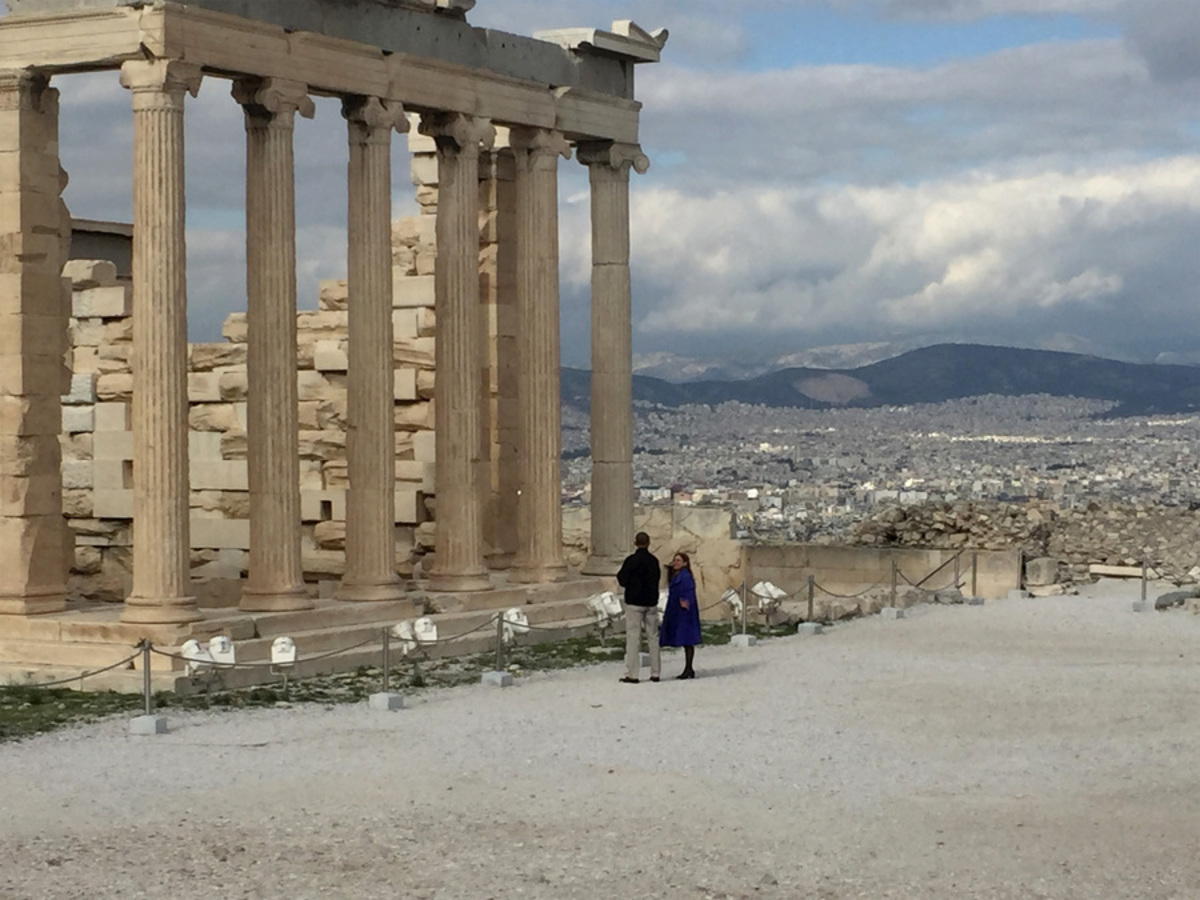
x=222 y=650
x=515 y=622
x=425 y=630
x=283 y=651
x=198 y=658
x=403 y=631
x=612 y=604
x=596 y=605
x=734 y=599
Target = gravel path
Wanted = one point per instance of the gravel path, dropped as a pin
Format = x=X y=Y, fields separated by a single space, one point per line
x=1031 y=748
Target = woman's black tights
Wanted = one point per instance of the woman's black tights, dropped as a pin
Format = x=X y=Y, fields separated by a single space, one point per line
x=689 y=654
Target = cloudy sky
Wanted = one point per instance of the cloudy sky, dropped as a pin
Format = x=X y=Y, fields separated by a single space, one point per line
x=1021 y=172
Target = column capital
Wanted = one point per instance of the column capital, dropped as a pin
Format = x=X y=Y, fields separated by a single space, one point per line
x=161 y=81
x=373 y=118
x=613 y=155
x=23 y=88
x=273 y=97
x=458 y=131
x=539 y=142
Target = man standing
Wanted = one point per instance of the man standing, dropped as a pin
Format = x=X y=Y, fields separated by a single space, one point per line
x=640 y=575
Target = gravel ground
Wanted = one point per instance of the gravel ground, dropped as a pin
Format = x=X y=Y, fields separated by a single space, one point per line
x=1026 y=748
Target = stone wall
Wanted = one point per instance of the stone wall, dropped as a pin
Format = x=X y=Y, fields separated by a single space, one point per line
x=1167 y=538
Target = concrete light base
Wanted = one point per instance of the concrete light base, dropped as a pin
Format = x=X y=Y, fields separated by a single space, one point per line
x=498 y=679
x=973 y=601
x=386 y=702
x=810 y=628
x=891 y=613
x=152 y=724
x=1018 y=595
x=743 y=640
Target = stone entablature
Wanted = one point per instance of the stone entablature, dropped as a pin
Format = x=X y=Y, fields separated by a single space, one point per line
x=496 y=410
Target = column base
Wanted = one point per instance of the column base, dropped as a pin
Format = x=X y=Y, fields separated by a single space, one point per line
x=370 y=591
x=500 y=561
x=33 y=604
x=275 y=601
x=160 y=611
x=523 y=574
x=454 y=583
x=602 y=565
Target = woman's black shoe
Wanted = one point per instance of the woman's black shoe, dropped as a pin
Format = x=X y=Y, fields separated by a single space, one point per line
x=683 y=676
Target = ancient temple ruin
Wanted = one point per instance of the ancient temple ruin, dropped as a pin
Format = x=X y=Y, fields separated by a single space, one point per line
x=491 y=114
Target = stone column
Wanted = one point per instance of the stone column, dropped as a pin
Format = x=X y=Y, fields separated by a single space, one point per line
x=161 y=533
x=34 y=231
x=459 y=473
x=370 y=433
x=539 y=440
x=612 y=353
x=276 y=578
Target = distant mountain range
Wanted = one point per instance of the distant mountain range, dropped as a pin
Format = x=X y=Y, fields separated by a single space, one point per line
x=933 y=375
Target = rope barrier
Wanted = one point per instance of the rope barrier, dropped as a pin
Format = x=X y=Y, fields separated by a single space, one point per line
x=80 y=677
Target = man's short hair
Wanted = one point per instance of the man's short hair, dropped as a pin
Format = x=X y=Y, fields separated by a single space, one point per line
x=641 y=539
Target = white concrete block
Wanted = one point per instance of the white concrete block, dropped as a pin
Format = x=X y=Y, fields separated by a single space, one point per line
x=386 y=702
x=412 y=290
x=78 y=419
x=146 y=725
x=83 y=391
x=112 y=504
x=743 y=640
x=973 y=601
x=891 y=613
x=497 y=679
x=810 y=628
x=112 y=416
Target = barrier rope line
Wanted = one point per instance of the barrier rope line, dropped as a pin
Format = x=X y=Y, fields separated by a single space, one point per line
x=80 y=677
x=824 y=590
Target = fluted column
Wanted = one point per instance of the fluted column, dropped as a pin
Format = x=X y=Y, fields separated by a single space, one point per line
x=539 y=438
x=458 y=399
x=370 y=434
x=612 y=353
x=161 y=538
x=276 y=578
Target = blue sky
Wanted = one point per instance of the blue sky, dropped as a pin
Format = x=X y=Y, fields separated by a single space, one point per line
x=824 y=172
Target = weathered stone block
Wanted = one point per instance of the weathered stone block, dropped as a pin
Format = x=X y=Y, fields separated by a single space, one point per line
x=1041 y=571
x=334 y=295
x=203 y=387
x=329 y=356
x=219 y=476
x=112 y=504
x=404 y=384
x=426 y=383
x=220 y=534
x=90 y=273
x=31 y=556
x=412 y=290
x=425 y=446
x=101 y=302
x=404 y=324
x=236 y=328
x=204 y=446
x=111 y=474
x=83 y=391
x=114 y=386
x=76 y=419
x=233 y=386
x=117 y=445
x=205 y=357
x=322 y=506
x=312 y=386
x=214 y=417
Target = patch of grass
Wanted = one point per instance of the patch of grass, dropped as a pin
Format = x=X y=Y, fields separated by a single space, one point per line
x=27 y=710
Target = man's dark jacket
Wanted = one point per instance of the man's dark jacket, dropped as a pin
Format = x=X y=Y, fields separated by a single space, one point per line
x=639 y=575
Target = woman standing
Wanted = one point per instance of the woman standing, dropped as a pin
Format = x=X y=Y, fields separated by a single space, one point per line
x=681 y=621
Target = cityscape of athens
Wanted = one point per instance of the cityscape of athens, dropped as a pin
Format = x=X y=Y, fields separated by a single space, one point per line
x=459 y=449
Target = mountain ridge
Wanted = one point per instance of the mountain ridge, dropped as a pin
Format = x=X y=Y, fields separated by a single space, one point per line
x=934 y=374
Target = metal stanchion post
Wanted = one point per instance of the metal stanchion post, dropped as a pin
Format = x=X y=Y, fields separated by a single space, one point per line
x=743 y=606
x=499 y=677
x=387 y=658
x=957 y=584
x=895 y=572
x=148 y=722
x=147 y=694
x=812 y=591
x=974 y=574
x=1143 y=582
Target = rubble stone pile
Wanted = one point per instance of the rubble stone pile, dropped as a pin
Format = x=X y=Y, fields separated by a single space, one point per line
x=1166 y=538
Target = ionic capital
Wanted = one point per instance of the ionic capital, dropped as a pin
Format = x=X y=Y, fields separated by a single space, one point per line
x=613 y=155
x=539 y=142
x=459 y=132
x=271 y=98
x=160 y=83
x=25 y=89
x=373 y=119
